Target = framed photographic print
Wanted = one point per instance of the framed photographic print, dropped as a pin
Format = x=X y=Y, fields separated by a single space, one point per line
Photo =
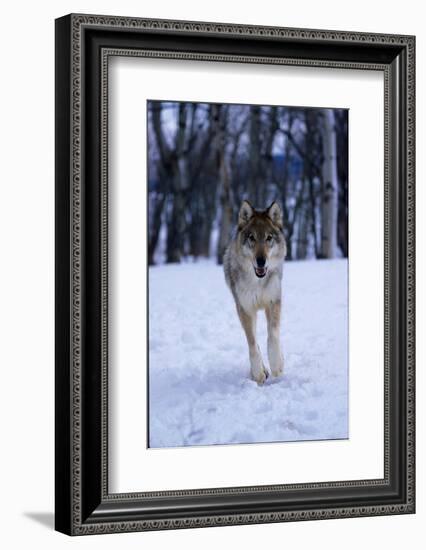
x=234 y=274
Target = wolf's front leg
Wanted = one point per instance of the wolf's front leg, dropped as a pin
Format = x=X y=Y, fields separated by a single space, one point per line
x=275 y=356
x=257 y=368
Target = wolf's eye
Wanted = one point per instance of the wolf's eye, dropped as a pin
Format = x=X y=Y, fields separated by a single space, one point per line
x=269 y=238
x=251 y=238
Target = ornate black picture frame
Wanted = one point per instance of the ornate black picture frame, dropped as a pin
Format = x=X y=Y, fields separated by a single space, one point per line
x=83 y=503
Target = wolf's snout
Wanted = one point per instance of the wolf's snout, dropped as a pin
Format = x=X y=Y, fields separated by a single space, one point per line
x=260 y=268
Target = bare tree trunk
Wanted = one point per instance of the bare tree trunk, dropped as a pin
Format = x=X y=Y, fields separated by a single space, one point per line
x=164 y=175
x=234 y=163
x=196 y=224
x=285 y=182
x=254 y=156
x=176 y=229
x=312 y=171
x=205 y=240
x=224 y=182
x=203 y=208
x=303 y=224
x=330 y=197
x=155 y=226
x=342 y=170
x=284 y=187
x=176 y=226
x=209 y=214
x=173 y=169
x=201 y=202
x=268 y=159
x=313 y=203
x=226 y=221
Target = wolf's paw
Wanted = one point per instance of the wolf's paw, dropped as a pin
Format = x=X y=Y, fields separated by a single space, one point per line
x=260 y=376
x=277 y=367
x=257 y=368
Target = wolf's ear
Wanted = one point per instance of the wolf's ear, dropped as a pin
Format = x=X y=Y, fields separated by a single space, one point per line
x=275 y=213
x=245 y=213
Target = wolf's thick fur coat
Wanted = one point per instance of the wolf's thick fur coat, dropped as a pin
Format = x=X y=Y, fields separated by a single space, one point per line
x=253 y=265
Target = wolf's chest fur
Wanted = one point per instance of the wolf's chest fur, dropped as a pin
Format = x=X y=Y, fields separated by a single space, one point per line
x=254 y=293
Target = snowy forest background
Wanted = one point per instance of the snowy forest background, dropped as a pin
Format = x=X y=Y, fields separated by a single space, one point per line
x=204 y=159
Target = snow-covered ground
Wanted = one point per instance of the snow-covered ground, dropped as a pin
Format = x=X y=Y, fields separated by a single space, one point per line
x=199 y=385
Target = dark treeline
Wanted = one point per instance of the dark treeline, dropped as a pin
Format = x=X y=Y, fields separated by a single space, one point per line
x=204 y=159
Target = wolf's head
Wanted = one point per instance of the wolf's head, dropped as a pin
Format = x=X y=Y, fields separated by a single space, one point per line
x=261 y=237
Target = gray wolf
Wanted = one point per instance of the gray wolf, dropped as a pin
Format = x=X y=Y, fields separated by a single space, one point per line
x=253 y=265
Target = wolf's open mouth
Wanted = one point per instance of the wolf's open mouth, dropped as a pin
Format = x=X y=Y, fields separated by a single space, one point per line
x=260 y=271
